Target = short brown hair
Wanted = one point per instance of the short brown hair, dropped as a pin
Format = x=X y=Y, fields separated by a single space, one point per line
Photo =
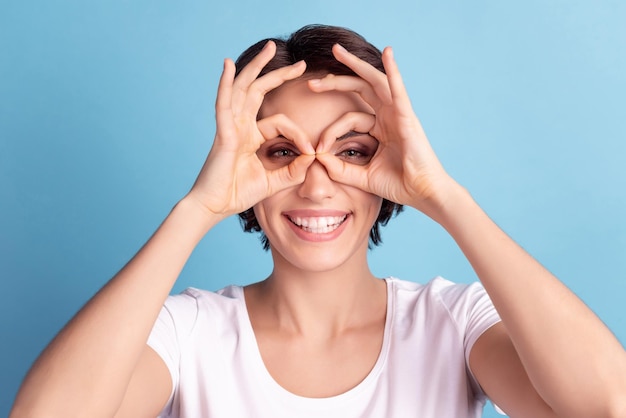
x=313 y=44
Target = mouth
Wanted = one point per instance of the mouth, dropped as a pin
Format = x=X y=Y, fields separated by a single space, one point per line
x=318 y=224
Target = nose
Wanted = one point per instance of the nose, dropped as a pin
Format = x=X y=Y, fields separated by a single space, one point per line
x=317 y=186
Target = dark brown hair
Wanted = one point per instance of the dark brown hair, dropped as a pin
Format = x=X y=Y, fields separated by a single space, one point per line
x=313 y=44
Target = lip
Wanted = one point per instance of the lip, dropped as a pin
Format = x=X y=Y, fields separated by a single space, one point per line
x=309 y=213
x=313 y=213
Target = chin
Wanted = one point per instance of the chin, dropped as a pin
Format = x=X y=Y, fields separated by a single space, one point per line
x=316 y=260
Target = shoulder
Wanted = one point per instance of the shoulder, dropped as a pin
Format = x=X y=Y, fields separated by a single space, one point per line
x=184 y=311
x=197 y=298
x=438 y=290
x=465 y=306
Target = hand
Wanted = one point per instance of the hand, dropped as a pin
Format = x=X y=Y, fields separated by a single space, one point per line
x=404 y=169
x=233 y=178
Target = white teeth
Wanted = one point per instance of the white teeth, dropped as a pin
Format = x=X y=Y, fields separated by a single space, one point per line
x=318 y=225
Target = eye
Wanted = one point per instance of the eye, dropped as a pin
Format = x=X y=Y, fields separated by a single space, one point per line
x=281 y=153
x=358 y=150
x=352 y=153
x=277 y=153
x=356 y=154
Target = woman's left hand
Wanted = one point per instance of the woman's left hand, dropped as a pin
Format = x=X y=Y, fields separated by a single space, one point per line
x=404 y=169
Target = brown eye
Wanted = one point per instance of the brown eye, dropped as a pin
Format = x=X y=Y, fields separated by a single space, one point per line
x=277 y=153
x=357 y=152
x=282 y=153
x=356 y=147
x=355 y=156
x=352 y=153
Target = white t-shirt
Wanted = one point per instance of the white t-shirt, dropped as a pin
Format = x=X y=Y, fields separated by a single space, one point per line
x=208 y=344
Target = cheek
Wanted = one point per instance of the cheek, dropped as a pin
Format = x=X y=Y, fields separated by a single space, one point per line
x=377 y=203
x=372 y=205
x=373 y=201
x=266 y=214
x=259 y=214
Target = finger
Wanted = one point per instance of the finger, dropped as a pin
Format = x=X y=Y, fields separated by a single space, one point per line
x=251 y=71
x=290 y=175
x=345 y=173
x=349 y=123
x=396 y=84
x=280 y=125
x=225 y=86
x=223 y=110
x=366 y=71
x=346 y=83
x=256 y=92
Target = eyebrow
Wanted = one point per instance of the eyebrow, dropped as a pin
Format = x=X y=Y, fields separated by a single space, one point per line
x=350 y=135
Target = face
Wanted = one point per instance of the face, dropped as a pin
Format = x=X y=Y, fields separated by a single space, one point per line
x=320 y=224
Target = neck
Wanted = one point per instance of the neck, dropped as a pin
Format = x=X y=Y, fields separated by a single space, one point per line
x=322 y=304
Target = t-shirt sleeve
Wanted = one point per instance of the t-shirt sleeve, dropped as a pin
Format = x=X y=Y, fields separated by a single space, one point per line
x=168 y=335
x=474 y=313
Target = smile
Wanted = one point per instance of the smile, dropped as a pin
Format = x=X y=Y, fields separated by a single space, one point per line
x=318 y=224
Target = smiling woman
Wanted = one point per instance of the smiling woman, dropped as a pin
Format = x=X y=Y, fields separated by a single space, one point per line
x=316 y=146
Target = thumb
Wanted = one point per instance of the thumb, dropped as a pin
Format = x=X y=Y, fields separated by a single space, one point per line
x=291 y=174
x=342 y=172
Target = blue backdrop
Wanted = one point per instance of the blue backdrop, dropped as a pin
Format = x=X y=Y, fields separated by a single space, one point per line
x=106 y=115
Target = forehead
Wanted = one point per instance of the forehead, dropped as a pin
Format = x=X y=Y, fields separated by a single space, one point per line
x=310 y=110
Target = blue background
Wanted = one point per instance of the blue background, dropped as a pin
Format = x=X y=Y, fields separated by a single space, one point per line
x=106 y=115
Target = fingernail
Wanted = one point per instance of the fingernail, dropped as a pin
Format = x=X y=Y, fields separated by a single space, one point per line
x=341 y=48
x=315 y=81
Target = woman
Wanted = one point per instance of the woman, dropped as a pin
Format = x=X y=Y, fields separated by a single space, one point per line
x=316 y=147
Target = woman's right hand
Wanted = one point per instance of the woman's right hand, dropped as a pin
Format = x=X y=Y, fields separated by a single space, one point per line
x=233 y=178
